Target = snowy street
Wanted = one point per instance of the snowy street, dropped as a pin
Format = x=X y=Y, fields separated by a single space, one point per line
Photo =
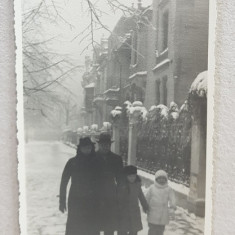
x=44 y=165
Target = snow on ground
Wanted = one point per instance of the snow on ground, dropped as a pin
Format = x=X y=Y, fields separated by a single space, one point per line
x=44 y=165
x=183 y=224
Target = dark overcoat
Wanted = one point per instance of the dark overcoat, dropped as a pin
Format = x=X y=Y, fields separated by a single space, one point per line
x=129 y=196
x=82 y=203
x=109 y=174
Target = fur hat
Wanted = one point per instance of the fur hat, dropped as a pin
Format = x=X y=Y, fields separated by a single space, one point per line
x=130 y=170
x=161 y=173
x=105 y=138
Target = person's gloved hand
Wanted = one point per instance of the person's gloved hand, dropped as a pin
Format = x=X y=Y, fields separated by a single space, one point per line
x=62 y=206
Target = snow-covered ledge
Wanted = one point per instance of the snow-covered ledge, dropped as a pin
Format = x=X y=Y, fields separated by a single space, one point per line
x=164 y=62
x=140 y=73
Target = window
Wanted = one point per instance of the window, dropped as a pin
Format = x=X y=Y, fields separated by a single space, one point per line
x=165 y=26
x=158 y=84
x=164 y=90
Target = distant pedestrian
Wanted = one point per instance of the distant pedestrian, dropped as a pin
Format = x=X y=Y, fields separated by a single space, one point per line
x=82 y=200
x=161 y=199
x=129 y=196
x=109 y=166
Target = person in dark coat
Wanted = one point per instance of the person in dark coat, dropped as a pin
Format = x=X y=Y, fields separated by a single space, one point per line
x=81 y=200
x=109 y=166
x=129 y=196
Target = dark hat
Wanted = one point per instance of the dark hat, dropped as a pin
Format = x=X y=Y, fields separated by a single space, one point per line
x=105 y=138
x=84 y=141
x=130 y=170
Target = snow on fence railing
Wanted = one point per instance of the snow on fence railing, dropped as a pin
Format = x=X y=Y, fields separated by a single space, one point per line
x=163 y=141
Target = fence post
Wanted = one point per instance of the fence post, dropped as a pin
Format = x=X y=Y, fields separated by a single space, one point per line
x=116 y=138
x=132 y=143
x=116 y=122
x=196 y=198
x=134 y=116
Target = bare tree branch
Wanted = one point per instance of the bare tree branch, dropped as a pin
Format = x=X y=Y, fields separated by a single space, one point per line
x=45 y=71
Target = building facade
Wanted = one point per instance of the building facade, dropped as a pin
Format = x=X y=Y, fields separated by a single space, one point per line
x=106 y=78
x=135 y=88
x=151 y=56
x=180 y=42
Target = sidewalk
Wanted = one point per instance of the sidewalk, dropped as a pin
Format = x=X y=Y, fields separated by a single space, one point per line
x=44 y=165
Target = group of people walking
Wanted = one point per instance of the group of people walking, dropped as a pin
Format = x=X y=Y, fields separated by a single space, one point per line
x=104 y=195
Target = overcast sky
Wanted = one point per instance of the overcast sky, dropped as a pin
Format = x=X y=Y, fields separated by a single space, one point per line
x=75 y=13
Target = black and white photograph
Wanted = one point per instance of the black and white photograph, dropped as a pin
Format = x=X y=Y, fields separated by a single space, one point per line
x=115 y=96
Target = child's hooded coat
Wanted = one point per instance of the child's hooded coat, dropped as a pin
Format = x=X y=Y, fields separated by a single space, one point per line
x=129 y=195
x=159 y=198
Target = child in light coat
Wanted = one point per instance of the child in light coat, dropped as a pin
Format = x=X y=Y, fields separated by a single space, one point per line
x=161 y=199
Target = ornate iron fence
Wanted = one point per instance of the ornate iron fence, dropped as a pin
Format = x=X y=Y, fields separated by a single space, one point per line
x=164 y=142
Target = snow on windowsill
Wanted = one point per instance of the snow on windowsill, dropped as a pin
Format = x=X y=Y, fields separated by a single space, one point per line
x=163 y=52
x=112 y=89
x=166 y=61
x=141 y=73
